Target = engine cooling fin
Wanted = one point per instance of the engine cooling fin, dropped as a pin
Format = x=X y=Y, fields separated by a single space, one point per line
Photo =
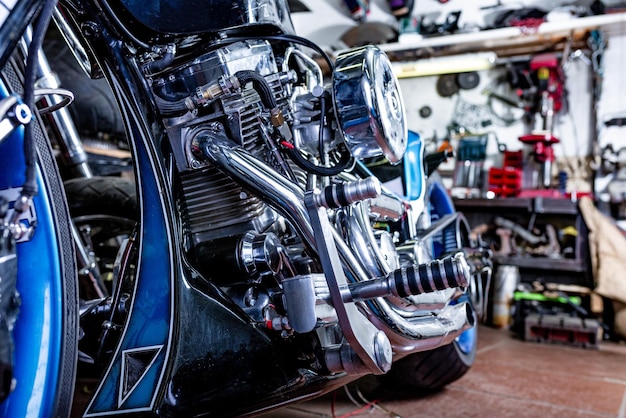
x=213 y=204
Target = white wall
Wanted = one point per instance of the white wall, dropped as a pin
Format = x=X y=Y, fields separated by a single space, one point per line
x=613 y=100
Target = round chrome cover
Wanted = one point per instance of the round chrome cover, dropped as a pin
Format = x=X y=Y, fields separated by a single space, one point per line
x=369 y=105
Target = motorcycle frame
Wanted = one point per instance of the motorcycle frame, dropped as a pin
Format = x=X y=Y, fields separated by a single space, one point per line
x=161 y=336
x=162 y=329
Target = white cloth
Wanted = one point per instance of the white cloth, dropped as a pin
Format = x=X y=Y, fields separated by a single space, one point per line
x=607 y=247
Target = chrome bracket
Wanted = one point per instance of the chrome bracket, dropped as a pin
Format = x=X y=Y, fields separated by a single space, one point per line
x=23 y=227
x=370 y=344
x=17 y=115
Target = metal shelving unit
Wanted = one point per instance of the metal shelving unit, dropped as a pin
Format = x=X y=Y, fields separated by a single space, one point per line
x=529 y=212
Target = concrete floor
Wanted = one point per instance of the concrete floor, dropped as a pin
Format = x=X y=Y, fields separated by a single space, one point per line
x=510 y=378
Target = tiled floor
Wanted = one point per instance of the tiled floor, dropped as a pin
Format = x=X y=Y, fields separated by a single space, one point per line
x=510 y=378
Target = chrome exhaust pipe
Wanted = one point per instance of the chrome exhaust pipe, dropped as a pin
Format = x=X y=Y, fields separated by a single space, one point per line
x=264 y=181
x=428 y=332
x=405 y=333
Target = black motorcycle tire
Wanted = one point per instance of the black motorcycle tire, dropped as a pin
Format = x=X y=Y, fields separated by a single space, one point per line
x=431 y=370
x=114 y=196
x=108 y=206
x=69 y=289
x=94 y=109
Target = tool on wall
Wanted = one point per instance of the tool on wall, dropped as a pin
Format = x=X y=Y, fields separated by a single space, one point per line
x=547 y=100
x=359 y=9
x=468 y=179
x=471 y=154
x=613 y=167
x=449 y=84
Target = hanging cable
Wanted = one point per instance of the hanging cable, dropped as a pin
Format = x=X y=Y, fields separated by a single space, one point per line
x=30 y=73
x=320 y=137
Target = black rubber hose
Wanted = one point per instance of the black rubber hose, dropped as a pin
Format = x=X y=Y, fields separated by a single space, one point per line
x=171 y=108
x=173 y=103
x=156 y=66
x=118 y=24
x=260 y=85
x=172 y=96
x=320 y=137
x=307 y=165
x=30 y=74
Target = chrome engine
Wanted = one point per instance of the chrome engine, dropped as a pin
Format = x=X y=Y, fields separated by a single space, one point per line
x=275 y=215
x=214 y=205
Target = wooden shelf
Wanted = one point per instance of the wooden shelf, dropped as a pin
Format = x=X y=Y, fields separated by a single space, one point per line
x=509 y=41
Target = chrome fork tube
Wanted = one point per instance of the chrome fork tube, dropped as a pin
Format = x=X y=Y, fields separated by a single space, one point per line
x=61 y=122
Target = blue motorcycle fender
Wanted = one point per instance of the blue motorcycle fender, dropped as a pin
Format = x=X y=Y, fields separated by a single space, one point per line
x=38 y=329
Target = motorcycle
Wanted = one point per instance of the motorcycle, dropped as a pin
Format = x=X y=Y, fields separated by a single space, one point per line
x=268 y=265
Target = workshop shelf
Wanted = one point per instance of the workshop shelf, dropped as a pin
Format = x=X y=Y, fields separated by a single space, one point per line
x=570 y=265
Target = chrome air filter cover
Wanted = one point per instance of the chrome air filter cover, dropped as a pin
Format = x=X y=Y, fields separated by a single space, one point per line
x=369 y=105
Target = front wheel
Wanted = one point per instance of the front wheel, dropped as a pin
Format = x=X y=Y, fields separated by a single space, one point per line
x=104 y=212
x=434 y=369
x=46 y=331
